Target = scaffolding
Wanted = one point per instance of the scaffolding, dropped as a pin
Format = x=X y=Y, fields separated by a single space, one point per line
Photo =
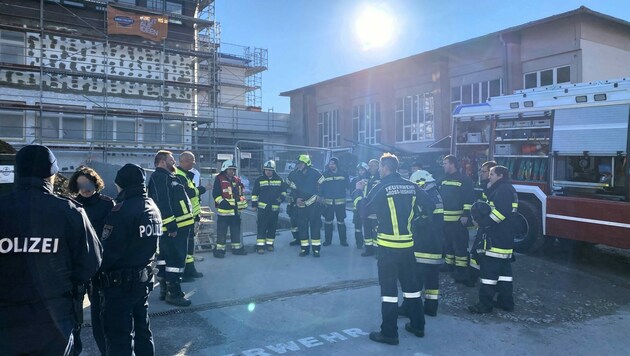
x=96 y=96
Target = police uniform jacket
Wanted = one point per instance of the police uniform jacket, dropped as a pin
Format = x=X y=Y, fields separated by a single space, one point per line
x=428 y=233
x=47 y=246
x=131 y=231
x=458 y=196
x=186 y=178
x=170 y=196
x=396 y=201
x=305 y=184
x=269 y=192
x=334 y=187
x=499 y=226
x=228 y=194
x=96 y=206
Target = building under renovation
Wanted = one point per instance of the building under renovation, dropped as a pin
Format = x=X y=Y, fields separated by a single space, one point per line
x=115 y=81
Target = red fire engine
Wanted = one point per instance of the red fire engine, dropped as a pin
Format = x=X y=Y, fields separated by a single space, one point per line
x=566 y=149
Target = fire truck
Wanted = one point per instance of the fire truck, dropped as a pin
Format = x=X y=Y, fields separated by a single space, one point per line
x=566 y=149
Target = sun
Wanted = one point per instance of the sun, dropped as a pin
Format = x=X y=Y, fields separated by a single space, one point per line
x=374 y=27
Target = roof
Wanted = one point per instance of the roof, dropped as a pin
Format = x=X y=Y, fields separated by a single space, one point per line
x=579 y=11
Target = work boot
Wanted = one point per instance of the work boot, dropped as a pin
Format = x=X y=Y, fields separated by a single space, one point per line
x=190 y=271
x=175 y=296
x=304 y=251
x=479 y=309
x=328 y=232
x=295 y=242
x=369 y=251
x=411 y=329
x=260 y=250
x=378 y=337
x=341 y=228
x=218 y=253
x=316 y=253
x=162 y=288
x=344 y=243
x=270 y=248
x=430 y=309
x=239 y=251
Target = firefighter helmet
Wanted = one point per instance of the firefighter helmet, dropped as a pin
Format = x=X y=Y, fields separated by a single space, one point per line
x=421 y=176
x=227 y=164
x=363 y=165
x=480 y=212
x=304 y=158
x=270 y=165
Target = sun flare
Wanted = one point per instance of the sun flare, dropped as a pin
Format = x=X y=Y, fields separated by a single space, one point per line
x=374 y=27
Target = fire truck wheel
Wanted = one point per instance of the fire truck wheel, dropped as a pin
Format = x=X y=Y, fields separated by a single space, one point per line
x=530 y=238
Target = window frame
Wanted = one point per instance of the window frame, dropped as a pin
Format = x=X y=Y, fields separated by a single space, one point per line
x=60 y=118
x=538 y=74
x=420 y=107
x=366 y=123
x=5 y=114
x=328 y=129
x=7 y=43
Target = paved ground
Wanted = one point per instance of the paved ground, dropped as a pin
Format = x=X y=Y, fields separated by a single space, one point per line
x=279 y=303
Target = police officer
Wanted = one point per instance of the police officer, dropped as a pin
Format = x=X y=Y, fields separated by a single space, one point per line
x=396 y=201
x=130 y=238
x=177 y=221
x=369 y=222
x=428 y=241
x=496 y=221
x=47 y=248
x=187 y=178
x=304 y=188
x=87 y=184
x=333 y=190
x=362 y=169
x=229 y=198
x=269 y=191
x=458 y=195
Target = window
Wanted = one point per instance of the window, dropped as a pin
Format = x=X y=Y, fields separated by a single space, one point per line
x=12 y=124
x=475 y=93
x=154 y=130
x=547 y=77
x=62 y=126
x=174 y=8
x=155 y=4
x=12 y=47
x=114 y=129
x=131 y=2
x=366 y=123
x=415 y=118
x=328 y=126
x=76 y=3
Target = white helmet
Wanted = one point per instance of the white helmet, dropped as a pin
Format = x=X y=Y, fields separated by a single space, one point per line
x=270 y=164
x=227 y=164
x=421 y=176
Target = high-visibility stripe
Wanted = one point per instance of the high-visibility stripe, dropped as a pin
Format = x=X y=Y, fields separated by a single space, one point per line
x=186 y=223
x=453 y=212
x=505 y=279
x=411 y=295
x=413 y=203
x=236 y=246
x=495 y=213
x=498 y=255
x=190 y=259
x=218 y=199
x=356 y=200
x=389 y=299
x=489 y=282
x=316 y=242
x=429 y=261
x=474 y=264
x=269 y=241
x=160 y=262
x=184 y=206
x=467 y=206
x=220 y=247
x=254 y=198
x=451 y=218
x=507 y=251
x=438 y=211
x=168 y=220
x=328 y=222
x=320 y=180
x=432 y=256
x=174 y=269
x=260 y=242
x=392 y=214
x=432 y=294
x=453 y=183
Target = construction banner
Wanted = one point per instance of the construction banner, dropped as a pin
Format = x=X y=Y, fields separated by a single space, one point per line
x=149 y=26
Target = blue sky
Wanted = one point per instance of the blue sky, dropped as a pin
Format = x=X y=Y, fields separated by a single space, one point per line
x=314 y=40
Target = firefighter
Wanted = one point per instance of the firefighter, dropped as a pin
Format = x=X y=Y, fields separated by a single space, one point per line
x=187 y=178
x=458 y=195
x=362 y=170
x=269 y=191
x=177 y=221
x=49 y=248
x=333 y=190
x=292 y=208
x=130 y=238
x=476 y=257
x=229 y=199
x=396 y=201
x=369 y=222
x=304 y=188
x=428 y=244
x=87 y=184
x=496 y=220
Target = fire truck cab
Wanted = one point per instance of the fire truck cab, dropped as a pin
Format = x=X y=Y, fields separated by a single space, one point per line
x=566 y=149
